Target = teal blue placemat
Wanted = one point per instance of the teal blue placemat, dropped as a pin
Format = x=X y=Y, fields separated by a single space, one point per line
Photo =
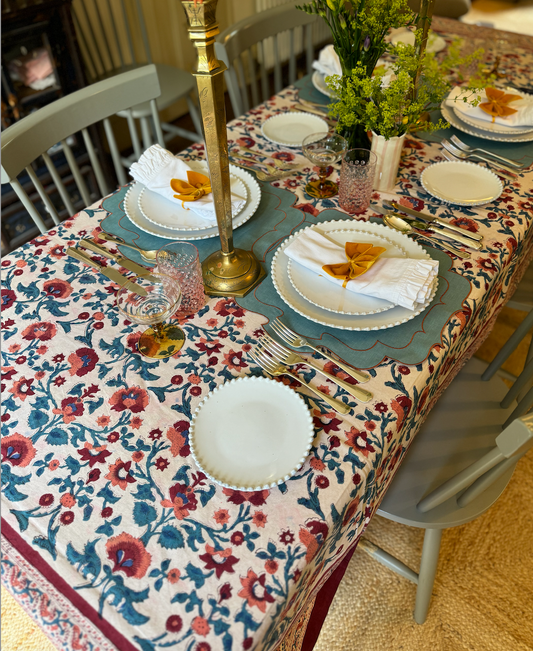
x=275 y=219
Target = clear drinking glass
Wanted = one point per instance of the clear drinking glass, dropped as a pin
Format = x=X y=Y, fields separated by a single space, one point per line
x=181 y=261
x=323 y=150
x=357 y=180
x=159 y=301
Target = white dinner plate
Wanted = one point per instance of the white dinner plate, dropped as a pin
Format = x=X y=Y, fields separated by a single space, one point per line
x=449 y=115
x=435 y=42
x=319 y=83
x=168 y=214
x=461 y=183
x=131 y=208
x=491 y=127
x=378 y=321
x=251 y=433
x=290 y=129
x=320 y=291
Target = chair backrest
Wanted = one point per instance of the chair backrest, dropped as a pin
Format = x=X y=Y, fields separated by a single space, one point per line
x=511 y=445
x=37 y=133
x=243 y=45
x=112 y=37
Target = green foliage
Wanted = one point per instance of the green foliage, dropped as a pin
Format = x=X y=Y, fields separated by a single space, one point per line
x=392 y=110
x=359 y=27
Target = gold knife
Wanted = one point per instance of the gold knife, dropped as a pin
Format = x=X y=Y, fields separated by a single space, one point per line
x=434 y=221
x=119 y=259
x=112 y=274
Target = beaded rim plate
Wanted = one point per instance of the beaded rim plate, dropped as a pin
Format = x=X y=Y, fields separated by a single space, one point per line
x=167 y=214
x=131 y=208
x=381 y=321
x=251 y=433
x=290 y=129
x=461 y=183
x=321 y=292
x=449 y=115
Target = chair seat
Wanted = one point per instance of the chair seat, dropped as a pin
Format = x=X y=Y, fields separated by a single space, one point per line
x=175 y=84
x=463 y=425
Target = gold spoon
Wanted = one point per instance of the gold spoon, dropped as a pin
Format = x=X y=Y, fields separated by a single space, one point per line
x=148 y=255
x=403 y=227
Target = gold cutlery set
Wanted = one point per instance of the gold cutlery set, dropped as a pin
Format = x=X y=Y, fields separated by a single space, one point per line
x=276 y=359
x=427 y=227
x=111 y=273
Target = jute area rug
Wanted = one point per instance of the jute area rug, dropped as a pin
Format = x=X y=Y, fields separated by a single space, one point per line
x=483 y=593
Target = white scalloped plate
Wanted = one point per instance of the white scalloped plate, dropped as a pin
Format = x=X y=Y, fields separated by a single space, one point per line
x=491 y=127
x=131 y=208
x=290 y=129
x=321 y=292
x=319 y=82
x=461 y=183
x=449 y=115
x=172 y=215
x=435 y=42
x=251 y=433
x=380 y=321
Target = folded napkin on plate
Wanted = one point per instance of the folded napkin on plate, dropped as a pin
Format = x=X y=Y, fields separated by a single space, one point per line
x=161 y=172
x=402 y=281
x=523 y=107
x=328 y=62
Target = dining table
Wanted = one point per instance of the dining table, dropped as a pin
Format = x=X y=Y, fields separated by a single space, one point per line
x=112 y=536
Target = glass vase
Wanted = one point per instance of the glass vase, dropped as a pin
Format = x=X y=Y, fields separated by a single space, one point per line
x=357 y=137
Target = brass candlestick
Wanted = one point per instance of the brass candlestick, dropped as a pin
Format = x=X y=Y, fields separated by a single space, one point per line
x=228 y=272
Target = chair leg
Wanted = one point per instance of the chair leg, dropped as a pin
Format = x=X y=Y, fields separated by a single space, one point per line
x=426 y=575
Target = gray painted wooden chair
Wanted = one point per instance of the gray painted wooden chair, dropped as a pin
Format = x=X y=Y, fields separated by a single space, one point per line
x=243 y=44
x=455 y=469
x=33 y=136
x=114 y=40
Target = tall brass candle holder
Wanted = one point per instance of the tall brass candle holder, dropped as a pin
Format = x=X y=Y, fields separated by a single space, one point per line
x=230 y=271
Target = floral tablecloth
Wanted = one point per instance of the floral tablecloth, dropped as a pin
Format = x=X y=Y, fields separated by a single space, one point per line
x=112 y=536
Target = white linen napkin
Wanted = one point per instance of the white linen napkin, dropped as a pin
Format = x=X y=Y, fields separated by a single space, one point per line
x=402 y=281
x=328 y=62
x=157 y=167
x=524 y=107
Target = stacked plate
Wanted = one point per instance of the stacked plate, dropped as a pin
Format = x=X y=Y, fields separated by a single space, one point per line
x=485 y=128
x=324 y=302
x=153 y=214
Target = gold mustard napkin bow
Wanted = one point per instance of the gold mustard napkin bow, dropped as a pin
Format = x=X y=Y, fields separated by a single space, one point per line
x=198 y=186
x=497 y=104
x=360 y=258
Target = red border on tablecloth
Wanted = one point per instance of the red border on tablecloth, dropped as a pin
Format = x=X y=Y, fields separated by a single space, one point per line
x=323 y=602
x=66 y=590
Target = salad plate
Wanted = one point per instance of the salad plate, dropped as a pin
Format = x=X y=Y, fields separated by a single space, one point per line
x=290 y=129
x=251 y=433
x=132 y=210
x=321 y=292
x=461 y=183
x=376 y=321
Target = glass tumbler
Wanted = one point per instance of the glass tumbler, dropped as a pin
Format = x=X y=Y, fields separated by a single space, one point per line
x=181 y=261
x=357 y=180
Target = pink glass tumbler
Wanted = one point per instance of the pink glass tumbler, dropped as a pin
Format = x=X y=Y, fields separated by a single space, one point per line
x=357 y=180
x=181 y=261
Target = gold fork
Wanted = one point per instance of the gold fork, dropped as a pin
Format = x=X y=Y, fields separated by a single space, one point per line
x=273 y=367
x=290 y=358
x=296 y=341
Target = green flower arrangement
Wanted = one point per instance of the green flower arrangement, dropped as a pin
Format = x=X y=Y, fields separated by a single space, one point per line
x=394 y=109
x=359 y=28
